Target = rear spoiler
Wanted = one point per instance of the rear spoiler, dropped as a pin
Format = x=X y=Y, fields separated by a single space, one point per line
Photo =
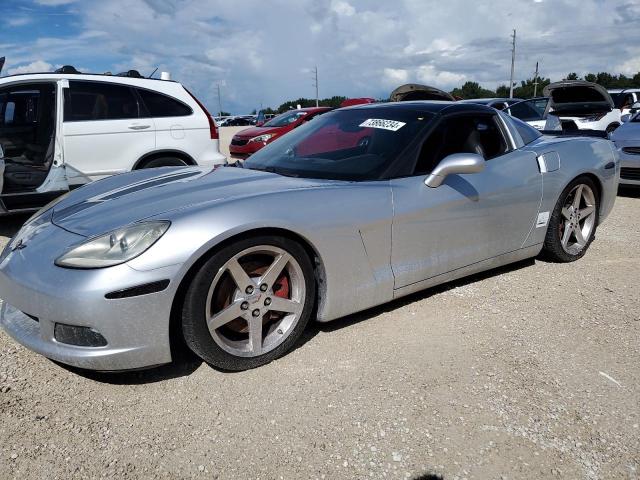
x=575 y=133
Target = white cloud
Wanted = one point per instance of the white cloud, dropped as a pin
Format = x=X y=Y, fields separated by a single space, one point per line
x=395 y=76
x=342 y=8
x=440 y=78
x=33 y=67
x=361 y=48
x=19 y=21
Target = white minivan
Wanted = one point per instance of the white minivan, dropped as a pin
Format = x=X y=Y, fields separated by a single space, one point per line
x=61 y=130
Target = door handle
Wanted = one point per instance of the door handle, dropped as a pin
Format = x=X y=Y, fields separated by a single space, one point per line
x=139 y=127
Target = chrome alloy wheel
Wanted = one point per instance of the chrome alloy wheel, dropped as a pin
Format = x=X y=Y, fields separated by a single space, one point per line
x=255 y=301
x=579 y=219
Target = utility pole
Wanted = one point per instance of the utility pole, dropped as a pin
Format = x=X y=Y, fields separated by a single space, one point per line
x=535 y=82
x=513 y=62
x=219 y=101
x=315 y=84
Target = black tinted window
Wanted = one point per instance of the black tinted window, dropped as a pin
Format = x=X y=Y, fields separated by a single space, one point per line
x=86 y=101
x=159 y=105
x=461 y=134
x=526 y=131
x=351 y=144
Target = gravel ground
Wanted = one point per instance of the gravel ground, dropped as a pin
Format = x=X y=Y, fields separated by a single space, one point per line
x=526 y=372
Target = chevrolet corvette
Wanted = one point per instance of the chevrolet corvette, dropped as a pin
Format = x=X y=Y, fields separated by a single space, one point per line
x=358 y=207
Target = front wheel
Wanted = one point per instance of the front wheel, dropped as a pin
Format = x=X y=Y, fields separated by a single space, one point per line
x=249 y=303
x=573 y=223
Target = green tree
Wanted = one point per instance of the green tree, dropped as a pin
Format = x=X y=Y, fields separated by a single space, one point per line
x=472 y=90
x=572 y=76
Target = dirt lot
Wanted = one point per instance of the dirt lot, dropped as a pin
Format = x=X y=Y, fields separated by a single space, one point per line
x=528 y=372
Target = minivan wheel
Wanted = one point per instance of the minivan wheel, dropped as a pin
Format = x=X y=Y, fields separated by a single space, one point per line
x=249 y=303
x=164 y=162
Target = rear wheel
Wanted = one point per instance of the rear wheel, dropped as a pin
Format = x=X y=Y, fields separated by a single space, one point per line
x=573 y=223
x=249 y=303
x=164 y=162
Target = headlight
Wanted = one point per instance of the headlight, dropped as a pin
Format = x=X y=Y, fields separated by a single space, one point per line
x=263 y=138
x=115 y=247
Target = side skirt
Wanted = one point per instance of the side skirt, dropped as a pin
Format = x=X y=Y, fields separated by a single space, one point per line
x=478 y=267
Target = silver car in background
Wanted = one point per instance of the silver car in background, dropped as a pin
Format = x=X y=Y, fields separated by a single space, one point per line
x=359 y=207
x=627 y=141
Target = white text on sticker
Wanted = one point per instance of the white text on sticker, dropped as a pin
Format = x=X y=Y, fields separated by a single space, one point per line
x=392 y=125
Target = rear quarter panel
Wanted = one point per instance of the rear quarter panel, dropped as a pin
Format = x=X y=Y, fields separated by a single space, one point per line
x=578 y=156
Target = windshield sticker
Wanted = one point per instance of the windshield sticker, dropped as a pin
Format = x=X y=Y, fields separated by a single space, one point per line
x=392 y=125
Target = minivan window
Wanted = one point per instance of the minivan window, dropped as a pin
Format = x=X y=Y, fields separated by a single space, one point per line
x=159 y=105
x=88 y=101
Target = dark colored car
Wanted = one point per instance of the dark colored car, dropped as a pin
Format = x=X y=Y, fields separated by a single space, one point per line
x=251 y=140
x=238 y=122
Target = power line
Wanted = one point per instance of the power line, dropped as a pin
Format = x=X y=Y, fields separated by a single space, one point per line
x=513 y=62
x=535 y=82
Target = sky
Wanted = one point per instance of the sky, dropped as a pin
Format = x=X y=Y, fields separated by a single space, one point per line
x=262 y=53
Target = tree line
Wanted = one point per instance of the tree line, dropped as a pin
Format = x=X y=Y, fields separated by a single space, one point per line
x=526 y=89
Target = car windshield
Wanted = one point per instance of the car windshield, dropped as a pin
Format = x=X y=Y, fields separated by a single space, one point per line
x=354 y=144
x=286 y=119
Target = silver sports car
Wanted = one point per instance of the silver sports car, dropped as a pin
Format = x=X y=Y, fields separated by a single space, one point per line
x=357 y=207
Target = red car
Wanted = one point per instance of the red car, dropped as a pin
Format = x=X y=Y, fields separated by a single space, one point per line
x=249 y=141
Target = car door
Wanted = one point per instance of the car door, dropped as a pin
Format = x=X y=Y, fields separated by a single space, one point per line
x=104 y=133
x=469 y=218
x=177 y=126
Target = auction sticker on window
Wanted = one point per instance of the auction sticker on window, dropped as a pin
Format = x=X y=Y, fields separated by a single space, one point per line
x=392 y=125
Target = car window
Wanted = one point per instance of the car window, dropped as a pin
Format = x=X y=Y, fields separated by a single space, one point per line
x=352 y=144
x=159 y=105
x=19 y=107
x=526 y=131
x=525 y=111
x=87 y=101
x=286 y=118
x=478 y=134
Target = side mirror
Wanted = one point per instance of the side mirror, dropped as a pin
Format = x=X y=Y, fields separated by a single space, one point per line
x=625 y=118
x=454 y=164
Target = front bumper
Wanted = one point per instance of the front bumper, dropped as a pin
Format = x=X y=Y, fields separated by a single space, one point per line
x=246 y=150
x=630 y=168
x=37 y=295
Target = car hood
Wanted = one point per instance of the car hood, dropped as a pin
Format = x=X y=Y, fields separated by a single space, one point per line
x=627 y=132
x=120 y=200
x=414 y=91
x=255 y=131
x=578 y=96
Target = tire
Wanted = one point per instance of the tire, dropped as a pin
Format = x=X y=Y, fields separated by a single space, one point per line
x=563 y=243
x=245 y=328
x=611 y=128
x=164 y=162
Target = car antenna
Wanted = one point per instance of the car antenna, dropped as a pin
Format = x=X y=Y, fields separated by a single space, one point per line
x=153 y=73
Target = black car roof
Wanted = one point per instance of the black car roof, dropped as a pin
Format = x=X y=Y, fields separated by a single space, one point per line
x=431 y=106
